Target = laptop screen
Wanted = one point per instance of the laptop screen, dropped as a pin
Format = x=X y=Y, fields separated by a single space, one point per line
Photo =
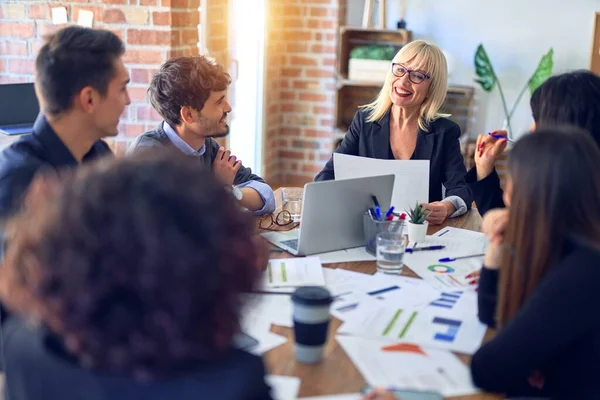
x=18 y=104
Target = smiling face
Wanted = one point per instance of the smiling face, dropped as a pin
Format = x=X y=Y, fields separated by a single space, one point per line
x=409 y=85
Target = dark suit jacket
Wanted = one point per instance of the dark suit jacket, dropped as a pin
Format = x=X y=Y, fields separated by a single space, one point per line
x=36 y=370
x=440 y=146
x=38 y=151
x=157 y=138
x=487 y=192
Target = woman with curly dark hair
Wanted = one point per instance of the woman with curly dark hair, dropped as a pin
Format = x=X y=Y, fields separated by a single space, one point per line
x=133 y=290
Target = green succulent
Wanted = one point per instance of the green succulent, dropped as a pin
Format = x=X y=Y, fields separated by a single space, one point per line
x=418 y=214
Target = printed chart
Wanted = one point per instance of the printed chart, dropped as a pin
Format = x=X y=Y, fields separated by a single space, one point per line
x=290 y=272
x=433 y=326
x=408 y=366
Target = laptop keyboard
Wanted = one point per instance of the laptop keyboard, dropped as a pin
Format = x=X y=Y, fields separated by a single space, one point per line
x=292 y=243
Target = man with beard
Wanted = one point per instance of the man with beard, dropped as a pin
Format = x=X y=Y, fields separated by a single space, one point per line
x=190 y=94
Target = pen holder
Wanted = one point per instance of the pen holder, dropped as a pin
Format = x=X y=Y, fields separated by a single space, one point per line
x=372 y=227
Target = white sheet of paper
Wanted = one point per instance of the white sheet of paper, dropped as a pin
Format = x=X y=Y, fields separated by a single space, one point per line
x=347 y=255
x=59 y=15
x=85 y=18
x=411 y=367
x=266 y=341
x=446 y=275
x=463 y=234
x=436 y=328
x=283 y=387
x=291 y=272
x=263 y=310
x=412 y=176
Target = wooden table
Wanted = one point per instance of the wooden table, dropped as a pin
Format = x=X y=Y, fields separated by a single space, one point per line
x=336 y=374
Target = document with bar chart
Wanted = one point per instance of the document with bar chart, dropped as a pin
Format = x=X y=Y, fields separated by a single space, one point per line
x=292 y=272
x=441 y=328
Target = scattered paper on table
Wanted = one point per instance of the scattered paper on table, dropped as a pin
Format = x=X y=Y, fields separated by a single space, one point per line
x=446 y=275
x=261 y=309
x=437 y=328
x=347 y=255
x=412 y=176
x=283 y=387
x=408 y=367
x=292 y=272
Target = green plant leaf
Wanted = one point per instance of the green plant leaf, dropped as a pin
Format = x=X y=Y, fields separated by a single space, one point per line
x=543 y=71
x=484 y=70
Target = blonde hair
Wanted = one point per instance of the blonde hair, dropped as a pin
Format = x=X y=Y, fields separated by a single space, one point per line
x=426 y=57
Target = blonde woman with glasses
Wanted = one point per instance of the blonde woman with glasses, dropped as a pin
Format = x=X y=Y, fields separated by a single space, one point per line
x=404 y=123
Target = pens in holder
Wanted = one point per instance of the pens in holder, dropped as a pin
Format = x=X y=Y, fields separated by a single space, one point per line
x=496 y=136
x=389 y=213
x=450 y=259
x=440 y=247
x=376 y=206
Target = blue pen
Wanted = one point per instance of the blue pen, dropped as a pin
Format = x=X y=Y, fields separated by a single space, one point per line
x=496 y=136
x=450 y=259
x=377 y=209
x=438 y=247
x=390 y=211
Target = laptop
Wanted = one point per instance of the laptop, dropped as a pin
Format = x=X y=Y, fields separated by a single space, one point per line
x=18 y=108
x=332 y=215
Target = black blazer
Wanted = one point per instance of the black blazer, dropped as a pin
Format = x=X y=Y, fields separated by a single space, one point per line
x=440 y=146
x=487 y=193
x=36 y=369
x=555 y=332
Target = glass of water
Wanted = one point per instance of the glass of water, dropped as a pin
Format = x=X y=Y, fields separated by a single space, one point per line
x=292 y=201
x=390 y=252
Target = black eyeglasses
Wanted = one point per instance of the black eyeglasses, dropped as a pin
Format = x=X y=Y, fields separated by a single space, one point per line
x=415 y=77
x=283 y=221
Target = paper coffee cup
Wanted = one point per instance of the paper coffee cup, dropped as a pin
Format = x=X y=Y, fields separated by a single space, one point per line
x=311 y=322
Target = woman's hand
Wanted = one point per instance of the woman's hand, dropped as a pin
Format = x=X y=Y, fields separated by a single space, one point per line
x=439 y=211
x=487 y=152
x=494 y=225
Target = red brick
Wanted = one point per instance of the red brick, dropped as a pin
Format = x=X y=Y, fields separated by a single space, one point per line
x=297 y=35
x=180 y=3
x=313 y=97
x=189 y=36
x=150 y=37
x=296 y=155
x=13 y=48
x=114 y=1
x=327 y=122
x=17 y=29
x=319 y=48
x=291 y=72
x=145 y=113
x=139 y=75
x=47 y=28
x=165 y=3
x=144 y=57
x=296 y=60
x=187 y=18
x=318 y=12
x=290 y=132
x=316 y=133
x=12 y=11
x=319 y=73
x=114 y=16
x=130 y=130
x=288 y=95
x=23 y=66
x=149 y=3
x=39 y=11
x=137 y=94
x=297 y=47
x=295 y=107
x=311 y=168
x=306 y=84
x=161 y=18
x=323 y=110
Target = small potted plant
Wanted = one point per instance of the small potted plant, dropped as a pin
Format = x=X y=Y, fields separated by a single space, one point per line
x=417 y=223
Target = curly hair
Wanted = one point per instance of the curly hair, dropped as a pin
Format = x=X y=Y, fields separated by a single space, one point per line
x=138 y=265
x=185 y=81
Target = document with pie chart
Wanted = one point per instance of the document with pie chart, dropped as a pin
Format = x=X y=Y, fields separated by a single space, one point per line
x=447 y=275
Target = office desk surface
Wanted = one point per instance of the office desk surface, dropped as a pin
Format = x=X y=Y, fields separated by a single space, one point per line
x=336 y=374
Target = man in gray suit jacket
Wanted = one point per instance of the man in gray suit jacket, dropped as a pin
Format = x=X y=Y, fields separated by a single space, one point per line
x=190 y=94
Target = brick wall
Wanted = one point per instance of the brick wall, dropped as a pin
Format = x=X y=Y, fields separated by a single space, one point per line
x=153 y=30
x=301 y=49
